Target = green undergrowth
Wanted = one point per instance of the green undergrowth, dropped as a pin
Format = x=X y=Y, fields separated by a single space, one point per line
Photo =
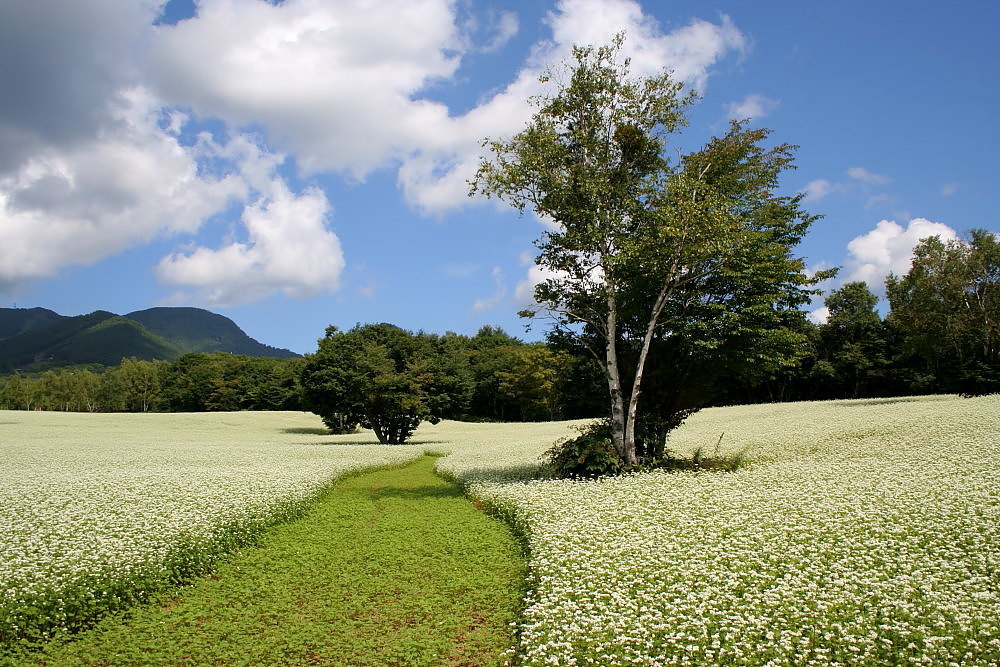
x=393 y=567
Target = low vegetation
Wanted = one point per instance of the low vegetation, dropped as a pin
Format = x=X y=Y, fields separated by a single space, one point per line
x=859 y=532
x=856 y=532
x=391 y=567
x=101 y=511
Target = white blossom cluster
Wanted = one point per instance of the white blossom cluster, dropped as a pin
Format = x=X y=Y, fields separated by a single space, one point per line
x=860 y=532
x=97 y=511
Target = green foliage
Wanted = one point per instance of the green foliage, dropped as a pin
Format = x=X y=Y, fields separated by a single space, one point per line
x=648 y=255
x=590 y=454
x=391 y=567
x=37 y=340
x=384 y=378
x=946 y=309
x=853 y=346
x=200 y=382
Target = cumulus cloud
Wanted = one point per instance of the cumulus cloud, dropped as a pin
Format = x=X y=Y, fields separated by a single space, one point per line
x=752 y=106
x=63 y=62
x=690 y=51
x=289 y=249
x=82 y=203
x=888 y=248
x=434 y=179
x=343 y=85
x=96 y=153
x=338 y=84
x=820 y=315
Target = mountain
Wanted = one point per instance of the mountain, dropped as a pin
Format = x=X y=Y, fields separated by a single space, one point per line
x=18 y=320
x=197 y=330
x=35 y=339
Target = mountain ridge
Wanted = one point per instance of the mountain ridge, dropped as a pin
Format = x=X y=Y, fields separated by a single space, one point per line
x=38 y=338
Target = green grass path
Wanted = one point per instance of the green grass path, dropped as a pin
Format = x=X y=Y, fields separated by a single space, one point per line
x=393 y=567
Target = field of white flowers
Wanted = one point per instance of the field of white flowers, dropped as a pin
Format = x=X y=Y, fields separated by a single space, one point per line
x=862 y=532
x=97 y=511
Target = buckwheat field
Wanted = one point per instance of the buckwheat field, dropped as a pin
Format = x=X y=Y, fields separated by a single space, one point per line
x=99 y=511
x=858 y=532
x=861 y=532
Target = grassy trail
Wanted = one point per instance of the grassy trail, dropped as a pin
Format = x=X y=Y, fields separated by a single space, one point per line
x=393 y=567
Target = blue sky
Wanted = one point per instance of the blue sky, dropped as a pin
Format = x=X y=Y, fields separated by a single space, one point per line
x=298 y=164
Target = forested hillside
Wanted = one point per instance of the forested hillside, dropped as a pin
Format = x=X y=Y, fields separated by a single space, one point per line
x=37 y=339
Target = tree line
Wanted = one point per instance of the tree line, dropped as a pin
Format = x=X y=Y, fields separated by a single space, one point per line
x=489 y=376
x=941 y=335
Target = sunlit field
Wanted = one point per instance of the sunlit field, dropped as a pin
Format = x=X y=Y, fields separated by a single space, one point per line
x=859 y=532
x=97 y=511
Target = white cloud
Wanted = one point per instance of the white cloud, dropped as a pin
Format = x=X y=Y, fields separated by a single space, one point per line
x=818 y=189
x=94 y=157
x=337 y=83
x=340 y=85
x=481 y=305
x=63 y=62
x=690 y=51
x=820 y=315
x=888 y=248
x=434 y=178
x=752 y=106
x=867 y=177
x=524 y=293
x=505 y=26
x=948 y=189
x=289 y=250
x=129 y=183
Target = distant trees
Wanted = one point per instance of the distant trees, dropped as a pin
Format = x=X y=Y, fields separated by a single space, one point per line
x=490 y=376
x=852 y=349
x=384 y=378
x=942 y=334
x=194 y=383
x=946 y=311
x=200 y=382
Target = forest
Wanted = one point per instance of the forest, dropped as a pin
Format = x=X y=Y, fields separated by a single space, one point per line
x=941 y=335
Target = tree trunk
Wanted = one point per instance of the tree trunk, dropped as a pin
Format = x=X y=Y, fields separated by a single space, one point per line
x=612 y=371
x=640 y=367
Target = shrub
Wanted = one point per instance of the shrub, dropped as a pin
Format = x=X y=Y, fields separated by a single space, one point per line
x=590 y=454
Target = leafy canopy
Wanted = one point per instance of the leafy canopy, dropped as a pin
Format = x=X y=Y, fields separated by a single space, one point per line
x=643 y=249
x=384 y=378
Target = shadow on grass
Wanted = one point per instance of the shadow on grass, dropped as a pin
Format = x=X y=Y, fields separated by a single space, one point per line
x=309 y=430
x=863 y=402
x=417 y=493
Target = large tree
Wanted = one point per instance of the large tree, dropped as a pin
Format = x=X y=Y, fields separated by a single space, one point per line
x=644 y=249
x=383 y=378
